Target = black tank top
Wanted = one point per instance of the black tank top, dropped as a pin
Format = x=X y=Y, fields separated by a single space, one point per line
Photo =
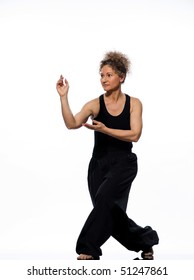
x=104 y=144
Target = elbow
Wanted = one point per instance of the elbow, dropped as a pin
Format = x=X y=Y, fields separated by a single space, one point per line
x=136 y=138
x=68 y=126
x=72 y=126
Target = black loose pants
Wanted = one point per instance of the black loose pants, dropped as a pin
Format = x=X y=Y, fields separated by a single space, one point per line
x=109 y=180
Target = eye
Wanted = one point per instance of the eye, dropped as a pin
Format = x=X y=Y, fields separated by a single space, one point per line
x=109 y=75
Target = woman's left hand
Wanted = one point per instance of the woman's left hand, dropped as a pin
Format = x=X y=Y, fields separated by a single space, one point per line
x=97 y=126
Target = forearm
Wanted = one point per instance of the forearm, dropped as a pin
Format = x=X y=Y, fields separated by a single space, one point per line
x=67 y=114
x=130 y=135
x=123 y=135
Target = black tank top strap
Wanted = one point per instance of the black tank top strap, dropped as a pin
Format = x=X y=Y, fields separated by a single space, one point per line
x=102 y=103
x=127 y=103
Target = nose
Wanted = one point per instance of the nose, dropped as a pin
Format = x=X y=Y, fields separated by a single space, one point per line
x=104 y=79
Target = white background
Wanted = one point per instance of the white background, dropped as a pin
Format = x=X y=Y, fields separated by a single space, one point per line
x=44 y=199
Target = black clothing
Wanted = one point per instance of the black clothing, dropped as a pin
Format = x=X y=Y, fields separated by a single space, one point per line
x=104 y=143
x=111 y=172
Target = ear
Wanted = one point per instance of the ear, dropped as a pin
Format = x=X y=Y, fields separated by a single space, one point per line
x=122 y=79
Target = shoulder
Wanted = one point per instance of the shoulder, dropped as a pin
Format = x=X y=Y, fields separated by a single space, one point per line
x=135 y=101
x=136 y=104
x=93 y=105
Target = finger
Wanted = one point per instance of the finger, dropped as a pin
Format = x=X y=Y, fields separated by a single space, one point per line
x=66 y=82
x=90 y=126
x=60 y=83
x=95 y=122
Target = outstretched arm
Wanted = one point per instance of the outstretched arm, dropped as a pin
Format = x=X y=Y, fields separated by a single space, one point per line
x=71 y=121
x=131 y=135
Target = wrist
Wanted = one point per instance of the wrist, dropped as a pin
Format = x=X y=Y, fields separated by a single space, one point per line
x=106 y=130
x=63 y=97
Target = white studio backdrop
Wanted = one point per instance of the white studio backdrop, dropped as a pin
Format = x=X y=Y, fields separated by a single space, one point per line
x=44 y=199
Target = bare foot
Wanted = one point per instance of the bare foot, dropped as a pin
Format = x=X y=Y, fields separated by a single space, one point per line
x=84 y=257
x=148 y=255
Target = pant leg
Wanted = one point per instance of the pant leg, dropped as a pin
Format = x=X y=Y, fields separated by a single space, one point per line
x=96 y=231
x=126 y=231
x=130 y=235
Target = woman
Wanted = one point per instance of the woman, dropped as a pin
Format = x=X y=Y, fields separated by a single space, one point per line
x=117 y=122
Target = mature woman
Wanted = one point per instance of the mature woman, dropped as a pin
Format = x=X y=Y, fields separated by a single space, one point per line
x=117 y=122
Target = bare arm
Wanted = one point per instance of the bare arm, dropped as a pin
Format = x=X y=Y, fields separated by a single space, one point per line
x=71 y=121
x=131 y=135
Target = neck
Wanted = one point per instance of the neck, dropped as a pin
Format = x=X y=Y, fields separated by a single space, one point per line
x=114 y=95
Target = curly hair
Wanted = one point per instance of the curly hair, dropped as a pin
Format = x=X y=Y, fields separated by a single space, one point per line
x=117 y=61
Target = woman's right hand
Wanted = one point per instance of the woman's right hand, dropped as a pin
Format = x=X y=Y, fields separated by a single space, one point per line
x=62 y=87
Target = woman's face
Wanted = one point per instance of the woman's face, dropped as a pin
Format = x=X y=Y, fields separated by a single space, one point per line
x=110 y=80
